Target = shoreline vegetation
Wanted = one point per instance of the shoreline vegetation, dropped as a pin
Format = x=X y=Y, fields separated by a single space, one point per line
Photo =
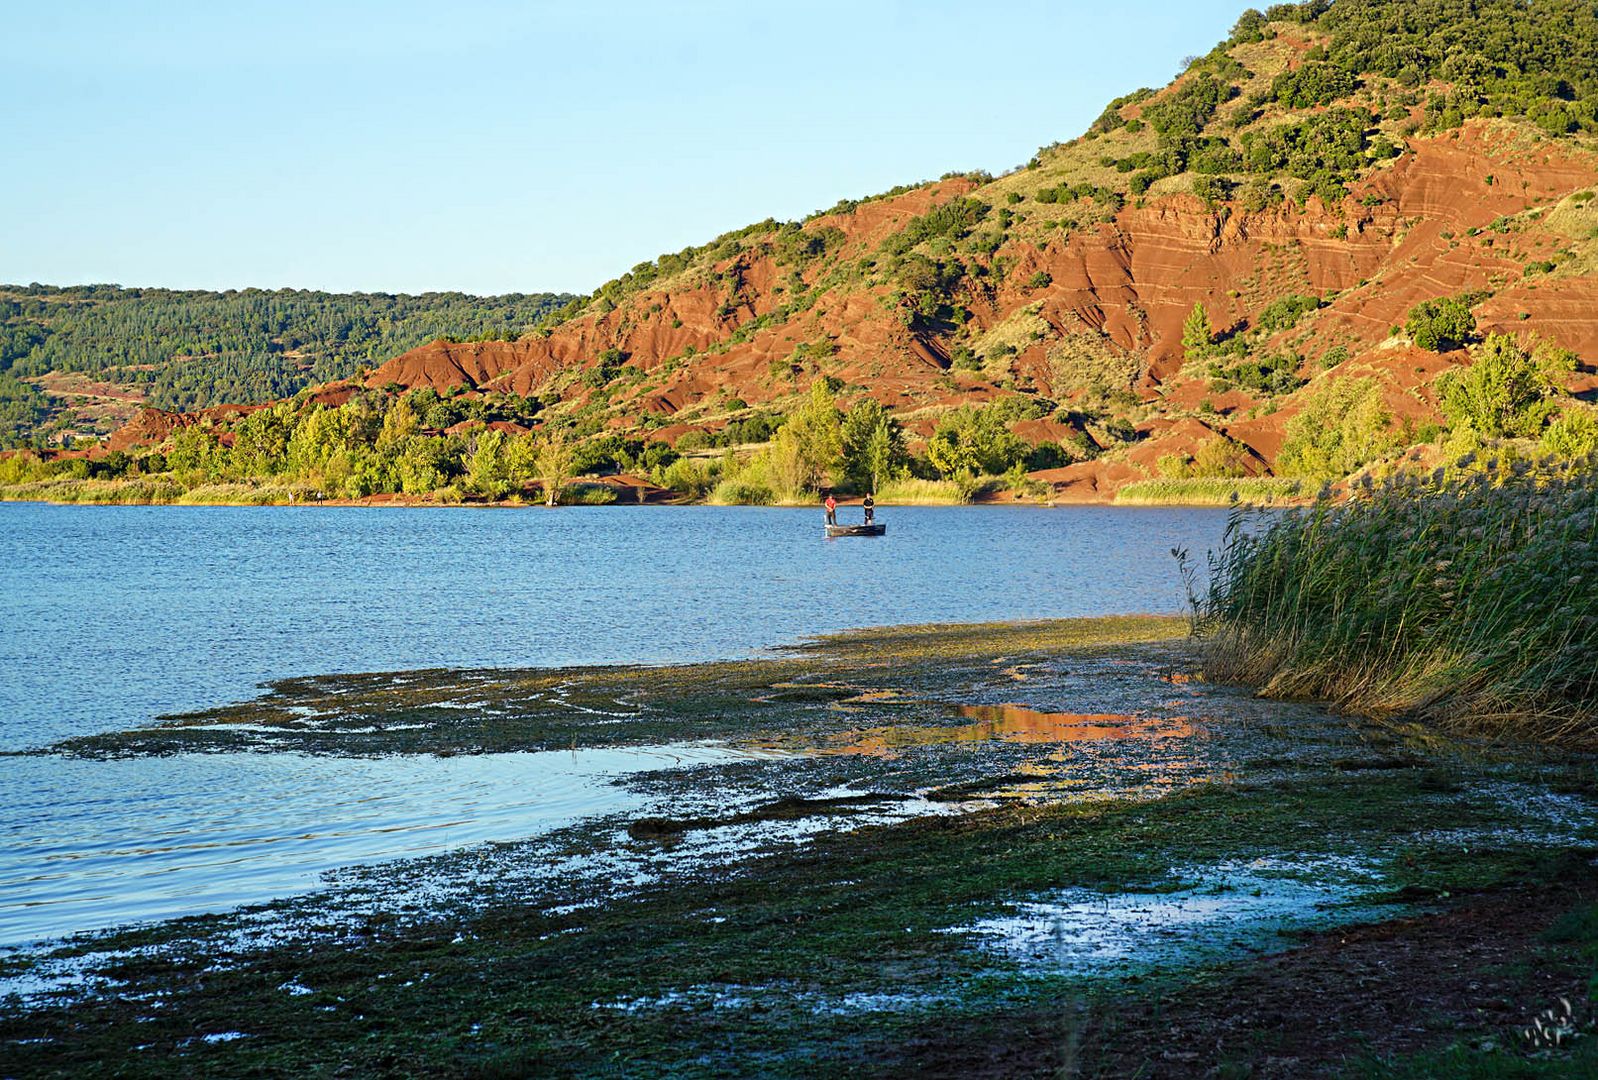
x=1465 y=599
x=1215 y=491
x=165 y=490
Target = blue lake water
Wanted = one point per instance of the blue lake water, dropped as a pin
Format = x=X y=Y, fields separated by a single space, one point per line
x=110 y=616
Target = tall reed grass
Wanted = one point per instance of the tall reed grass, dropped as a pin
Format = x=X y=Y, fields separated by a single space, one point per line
x=1466 y=598
x=245 y=493
x=913 y=491
x=100 y=492
x=147 y=490
x=1210 y=491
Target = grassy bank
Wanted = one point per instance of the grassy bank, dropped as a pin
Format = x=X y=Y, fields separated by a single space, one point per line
x=159 y=491
x=1210 y=491
x=1467 y=598
x=166 y=489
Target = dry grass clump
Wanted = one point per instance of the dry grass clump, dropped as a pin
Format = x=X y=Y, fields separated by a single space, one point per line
x=1467 y=598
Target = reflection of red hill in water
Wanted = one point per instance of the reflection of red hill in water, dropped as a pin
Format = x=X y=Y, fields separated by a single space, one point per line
x=1014 y=723
x=1128 y=284
x=1018 y=723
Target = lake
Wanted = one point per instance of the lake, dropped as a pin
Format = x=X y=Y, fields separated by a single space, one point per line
x=110 y=616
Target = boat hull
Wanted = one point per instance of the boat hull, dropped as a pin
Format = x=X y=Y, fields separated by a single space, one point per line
x=856 y=530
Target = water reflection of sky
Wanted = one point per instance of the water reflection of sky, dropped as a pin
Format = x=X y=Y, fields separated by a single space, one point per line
x=86 y=844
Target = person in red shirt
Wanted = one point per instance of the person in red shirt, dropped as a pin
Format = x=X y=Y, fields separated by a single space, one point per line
x=832 y=509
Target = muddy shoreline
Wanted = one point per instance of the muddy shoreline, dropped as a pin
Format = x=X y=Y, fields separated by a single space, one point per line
x=1008 y=849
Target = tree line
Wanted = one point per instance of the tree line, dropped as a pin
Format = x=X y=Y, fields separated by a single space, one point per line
x=191 y=349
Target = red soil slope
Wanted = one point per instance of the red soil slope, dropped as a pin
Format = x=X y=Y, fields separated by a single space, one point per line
x=1474 y=209
x=1133 y=281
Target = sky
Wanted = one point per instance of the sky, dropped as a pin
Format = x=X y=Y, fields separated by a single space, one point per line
x=488 y=146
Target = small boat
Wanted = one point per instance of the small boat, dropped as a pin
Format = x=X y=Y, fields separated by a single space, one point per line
x=874 y=529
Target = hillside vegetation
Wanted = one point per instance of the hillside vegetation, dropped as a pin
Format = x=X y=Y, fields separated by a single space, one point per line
x=1354 y=237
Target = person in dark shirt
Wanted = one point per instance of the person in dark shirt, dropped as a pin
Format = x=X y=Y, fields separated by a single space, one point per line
x=871 y=508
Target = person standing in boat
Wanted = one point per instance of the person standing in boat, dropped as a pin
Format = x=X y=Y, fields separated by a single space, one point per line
x=832 y=509
x=870 y=505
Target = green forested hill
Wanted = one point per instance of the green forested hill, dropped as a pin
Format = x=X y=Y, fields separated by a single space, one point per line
x=189 y=349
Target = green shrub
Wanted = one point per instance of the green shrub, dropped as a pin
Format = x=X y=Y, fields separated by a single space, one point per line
x=1344 y=425
x=1269 y=375
x=1441 y=325
x=954 y=219
x=1216 y=156
x=1284 y=312
x=1141 y=182
x=1259 y=194
x=1249 y=28
x=1212 y=189
x=1221 y=458
x=1185 y=110
x=1574 y=434
x=1503 y=394
x=1329 y=146
x=973 y=442
x=1311 y=84
x=689 y=477
x=1111 y=117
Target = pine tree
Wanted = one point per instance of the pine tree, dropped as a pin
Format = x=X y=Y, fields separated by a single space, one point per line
x=1197 y=334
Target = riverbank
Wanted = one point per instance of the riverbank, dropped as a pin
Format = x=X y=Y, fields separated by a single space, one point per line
x=156 y=491
x=999 y=849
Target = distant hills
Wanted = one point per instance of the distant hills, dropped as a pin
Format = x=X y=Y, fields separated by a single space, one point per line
x=91 y=354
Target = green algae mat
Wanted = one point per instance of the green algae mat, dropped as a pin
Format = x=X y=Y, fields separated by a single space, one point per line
x=1025 y=849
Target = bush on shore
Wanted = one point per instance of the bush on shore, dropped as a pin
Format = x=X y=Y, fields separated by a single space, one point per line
x=1466 y=598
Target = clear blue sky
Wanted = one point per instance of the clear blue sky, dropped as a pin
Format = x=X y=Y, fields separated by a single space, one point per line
x=501 y=147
